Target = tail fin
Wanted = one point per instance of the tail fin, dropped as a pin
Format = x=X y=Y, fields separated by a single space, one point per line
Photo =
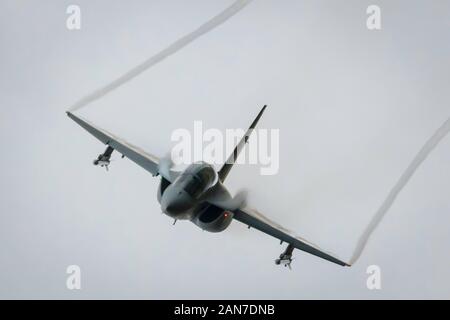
x=226 y=168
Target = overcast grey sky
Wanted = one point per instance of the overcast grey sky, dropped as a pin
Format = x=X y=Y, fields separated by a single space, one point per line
x=353 y=107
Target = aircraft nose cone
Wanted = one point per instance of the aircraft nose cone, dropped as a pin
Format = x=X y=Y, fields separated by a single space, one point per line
x=175 y=202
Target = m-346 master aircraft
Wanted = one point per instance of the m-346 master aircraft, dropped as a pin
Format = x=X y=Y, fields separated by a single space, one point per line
x=198 y=193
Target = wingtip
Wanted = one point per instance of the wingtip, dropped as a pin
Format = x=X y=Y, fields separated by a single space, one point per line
x=262 y=110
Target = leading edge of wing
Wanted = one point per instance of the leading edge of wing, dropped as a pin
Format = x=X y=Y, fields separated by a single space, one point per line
x=142 y=158
x=228 y=165
x=258 y=221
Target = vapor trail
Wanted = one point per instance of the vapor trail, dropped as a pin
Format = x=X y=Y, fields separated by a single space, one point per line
x=406 y=176
x=173 y=48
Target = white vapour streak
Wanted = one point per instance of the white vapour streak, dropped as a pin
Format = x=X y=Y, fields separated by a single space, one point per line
x=406 y=176
x=173 y=48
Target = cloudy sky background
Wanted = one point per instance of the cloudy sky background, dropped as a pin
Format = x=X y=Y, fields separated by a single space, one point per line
x=353 y=107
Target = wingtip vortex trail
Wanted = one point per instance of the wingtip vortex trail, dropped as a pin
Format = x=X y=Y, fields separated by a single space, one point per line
x=424 y=152
x=160 y=56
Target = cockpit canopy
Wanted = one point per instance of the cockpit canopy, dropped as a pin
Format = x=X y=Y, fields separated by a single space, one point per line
x=197 y=178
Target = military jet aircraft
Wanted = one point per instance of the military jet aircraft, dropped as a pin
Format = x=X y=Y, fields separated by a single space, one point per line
x=198 y=193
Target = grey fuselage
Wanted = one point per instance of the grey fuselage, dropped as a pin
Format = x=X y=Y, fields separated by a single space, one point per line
x=186 y=198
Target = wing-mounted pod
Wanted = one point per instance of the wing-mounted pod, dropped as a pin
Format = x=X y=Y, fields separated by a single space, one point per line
x=286 y=257
x=104 y=159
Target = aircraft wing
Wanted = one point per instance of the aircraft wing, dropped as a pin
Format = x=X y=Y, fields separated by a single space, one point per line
x=226 y=168
x=145 y=160
x=256 y=220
